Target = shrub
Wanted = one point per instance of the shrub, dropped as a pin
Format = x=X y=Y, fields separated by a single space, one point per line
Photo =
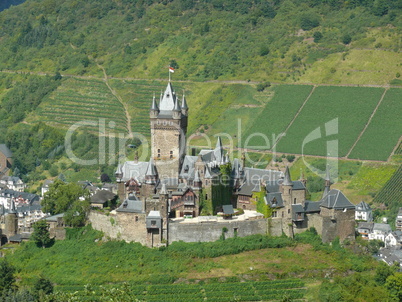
x=346 y=39
x=309 y=21
x=317 y=36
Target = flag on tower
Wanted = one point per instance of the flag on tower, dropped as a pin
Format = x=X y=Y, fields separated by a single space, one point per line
x=171 y=69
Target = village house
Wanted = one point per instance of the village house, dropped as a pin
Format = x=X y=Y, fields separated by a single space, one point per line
x=398 y=220
x=13 y=183
x=364 y=212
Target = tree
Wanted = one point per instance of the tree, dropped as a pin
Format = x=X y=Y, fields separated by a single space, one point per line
x=7 y=280
x=42 y=286
x=346 y=39
x=394 y=286
x=382 y=272
x=61 y=197
x=317 y=36
x=41 y=235
x=309 y=21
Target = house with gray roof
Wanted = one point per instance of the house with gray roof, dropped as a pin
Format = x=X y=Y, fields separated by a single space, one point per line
x=364 y=212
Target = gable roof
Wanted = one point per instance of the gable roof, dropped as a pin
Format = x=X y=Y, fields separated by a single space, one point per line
x=363 y=207
x=131 y=205
x=7 y=152
x=335 y=199
x=274 y=200
x=102 y=196
x=228 y=209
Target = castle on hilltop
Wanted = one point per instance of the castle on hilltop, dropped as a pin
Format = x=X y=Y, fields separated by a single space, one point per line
x=162 y=199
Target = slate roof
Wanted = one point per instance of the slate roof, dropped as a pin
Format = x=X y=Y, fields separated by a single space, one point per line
x=335 y=199
x=102 y=196
x=19 y=237
x=382 y=227
x=311 y=206
x=365 y=226
x=363 y=207
x=131 y=205
x=274 y=200
x=168 y=99
x=136 y=170
x=7 y=152
x=154 y=214
x=297 y=209
x=54 y=217
x=228 y=209
x=287 y=181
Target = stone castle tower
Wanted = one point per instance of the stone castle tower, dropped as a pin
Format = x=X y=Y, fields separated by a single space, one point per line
x=11 y=221
x=168 y=133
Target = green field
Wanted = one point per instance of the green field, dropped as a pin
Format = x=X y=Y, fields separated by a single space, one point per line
x=276 y=116
x=78 y=100
x=347 y=108
x=383 y=132
x=237 y=291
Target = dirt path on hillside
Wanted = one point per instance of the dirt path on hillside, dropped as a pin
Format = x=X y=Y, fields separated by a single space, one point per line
x=89 y=77
x=368 y=123
x=118 y=97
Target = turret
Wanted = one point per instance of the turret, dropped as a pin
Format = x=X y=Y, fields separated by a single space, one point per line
x=11 y=221
x=197 y=180
x=151 y=174
x=328 y=183
x=154 y=112
x=184 y=107
x=176 y=110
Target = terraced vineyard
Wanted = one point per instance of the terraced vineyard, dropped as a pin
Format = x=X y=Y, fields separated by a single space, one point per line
x=348 y=107
x=79 y=100
x=276 y=116
x=391 y=192
x=383 y=132
x=245 y=291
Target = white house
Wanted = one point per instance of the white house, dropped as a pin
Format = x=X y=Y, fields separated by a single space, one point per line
x=363 y=212
x=393 y=239
x=13 y=183
x=379 y=231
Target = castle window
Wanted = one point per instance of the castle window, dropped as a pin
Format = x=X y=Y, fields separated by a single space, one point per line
x=153 y=222
x=294 y=201
x=206 y=196
x=289 y=191
x=136 y=218
x=171 y=154
x=288 y=211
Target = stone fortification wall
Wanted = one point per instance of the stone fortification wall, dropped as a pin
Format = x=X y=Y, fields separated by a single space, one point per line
x=211 y=231
x=124 y=226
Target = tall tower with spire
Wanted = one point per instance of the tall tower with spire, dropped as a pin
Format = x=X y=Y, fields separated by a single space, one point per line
x=168 y=132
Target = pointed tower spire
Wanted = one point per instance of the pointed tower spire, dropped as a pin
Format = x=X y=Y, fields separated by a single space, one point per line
x=154 y=104
x=151 y=170
x=218 y=152
x=163 y=190
x=287 y=181
x=184 y=107
x=328 y=183
x=119 y=173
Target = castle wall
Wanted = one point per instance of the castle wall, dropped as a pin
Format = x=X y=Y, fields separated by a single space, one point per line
x=211 y=231
x=124 y=226
x=275 y=226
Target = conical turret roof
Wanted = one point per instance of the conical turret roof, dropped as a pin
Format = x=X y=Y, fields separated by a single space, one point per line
x=184 y=103
x=154 y=104
x=151 y=170
x=287 y=181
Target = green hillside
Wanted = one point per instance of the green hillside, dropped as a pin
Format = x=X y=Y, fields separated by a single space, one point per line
x=349 y=42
